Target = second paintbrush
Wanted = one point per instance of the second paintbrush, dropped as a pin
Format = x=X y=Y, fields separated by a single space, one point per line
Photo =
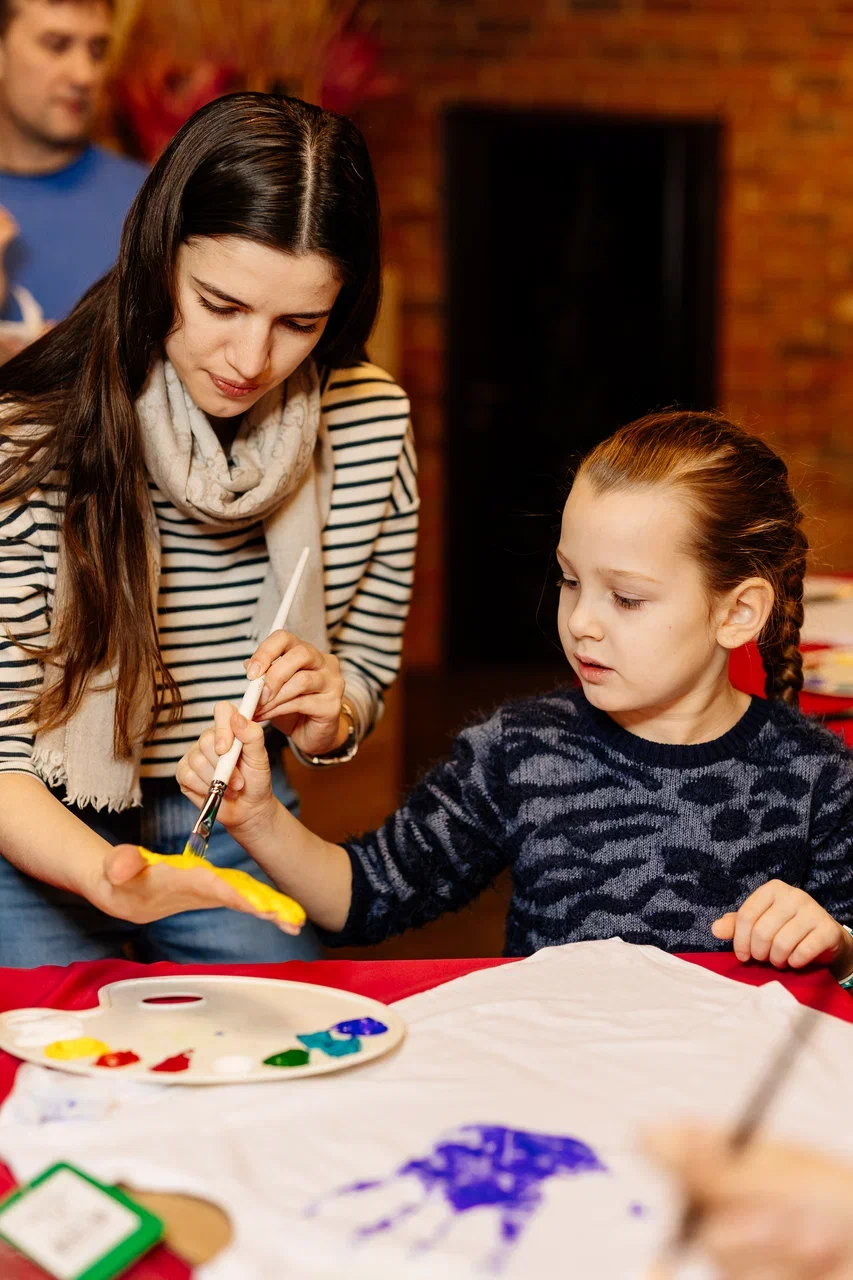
x=199 y=839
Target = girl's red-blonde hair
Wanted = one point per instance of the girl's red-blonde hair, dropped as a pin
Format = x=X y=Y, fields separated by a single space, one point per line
x=747 y=522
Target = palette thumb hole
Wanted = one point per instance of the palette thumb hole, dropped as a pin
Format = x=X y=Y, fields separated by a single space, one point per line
x=196 y=1230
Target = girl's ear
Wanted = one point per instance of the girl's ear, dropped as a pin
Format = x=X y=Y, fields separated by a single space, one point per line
x=743 y=613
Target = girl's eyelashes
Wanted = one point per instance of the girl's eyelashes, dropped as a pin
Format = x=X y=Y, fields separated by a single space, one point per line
x=624 y=602
x=232 y=311
x=566 y=580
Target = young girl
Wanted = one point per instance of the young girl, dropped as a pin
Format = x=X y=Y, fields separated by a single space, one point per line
x=656 y=802
x=166 y=452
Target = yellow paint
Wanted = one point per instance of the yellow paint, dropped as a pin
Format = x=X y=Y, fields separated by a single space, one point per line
x=263 y=898
x=83 y=1047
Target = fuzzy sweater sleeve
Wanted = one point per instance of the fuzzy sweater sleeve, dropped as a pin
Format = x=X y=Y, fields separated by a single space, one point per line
x=831 y=873
x=437 y=852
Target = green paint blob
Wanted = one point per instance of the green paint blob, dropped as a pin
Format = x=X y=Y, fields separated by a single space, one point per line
x=289 y=1058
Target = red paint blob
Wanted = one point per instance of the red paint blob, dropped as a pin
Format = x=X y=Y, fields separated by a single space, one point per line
x=123 y=1058
x=180 y=1062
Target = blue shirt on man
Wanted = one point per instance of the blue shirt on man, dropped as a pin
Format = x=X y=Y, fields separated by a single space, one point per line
x=70 y=223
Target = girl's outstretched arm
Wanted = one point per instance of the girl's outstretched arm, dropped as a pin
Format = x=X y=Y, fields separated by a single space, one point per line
x=313 y=871
x=434 y=854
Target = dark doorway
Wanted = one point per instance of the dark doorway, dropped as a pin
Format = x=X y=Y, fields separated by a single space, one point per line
x=582 y=281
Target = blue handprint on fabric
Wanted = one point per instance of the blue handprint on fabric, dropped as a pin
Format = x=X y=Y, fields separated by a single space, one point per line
x=484 y=1167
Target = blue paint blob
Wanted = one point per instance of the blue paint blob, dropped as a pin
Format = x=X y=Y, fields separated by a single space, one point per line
x=326 y=1043
x=637 y=1210
x=360 y=1027
x=479 y=1167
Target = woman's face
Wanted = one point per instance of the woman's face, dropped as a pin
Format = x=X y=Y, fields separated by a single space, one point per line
x=248 y=315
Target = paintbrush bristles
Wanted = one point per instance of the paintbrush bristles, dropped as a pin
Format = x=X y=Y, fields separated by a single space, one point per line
x=196 y=846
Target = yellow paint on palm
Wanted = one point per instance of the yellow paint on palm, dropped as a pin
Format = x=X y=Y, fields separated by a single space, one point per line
x=261 y=897
x=83 y=1047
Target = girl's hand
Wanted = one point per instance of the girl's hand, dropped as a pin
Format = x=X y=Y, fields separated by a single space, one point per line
x=133 y=890
x=302 y=693
x=766 y=1211
x=248 y=802
x=787 y=927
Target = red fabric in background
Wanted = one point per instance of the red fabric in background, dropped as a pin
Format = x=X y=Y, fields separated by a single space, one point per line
x=747 y=673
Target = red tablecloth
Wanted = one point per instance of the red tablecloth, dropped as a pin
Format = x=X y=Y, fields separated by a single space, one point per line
x=77 y=986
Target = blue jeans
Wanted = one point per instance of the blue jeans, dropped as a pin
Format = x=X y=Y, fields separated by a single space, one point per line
x=43 y=925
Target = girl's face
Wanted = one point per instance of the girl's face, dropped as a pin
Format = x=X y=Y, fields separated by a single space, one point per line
x=635 y=617
x=248 y=315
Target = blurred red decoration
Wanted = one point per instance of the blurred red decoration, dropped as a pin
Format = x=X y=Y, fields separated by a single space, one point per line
x=175 y=56
x=352 y=72
x=158 y=97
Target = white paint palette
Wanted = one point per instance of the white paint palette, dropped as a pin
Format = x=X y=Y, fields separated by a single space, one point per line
x=206 y=1030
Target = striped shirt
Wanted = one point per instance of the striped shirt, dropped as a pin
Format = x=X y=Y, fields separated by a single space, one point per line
x=211 y=579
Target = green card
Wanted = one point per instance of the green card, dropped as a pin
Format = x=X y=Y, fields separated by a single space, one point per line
x=74 y=1227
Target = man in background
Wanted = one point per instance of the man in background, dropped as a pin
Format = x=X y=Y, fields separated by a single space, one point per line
x=62 y=199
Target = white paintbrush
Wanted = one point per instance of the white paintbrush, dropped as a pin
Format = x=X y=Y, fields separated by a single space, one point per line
x=200 y=835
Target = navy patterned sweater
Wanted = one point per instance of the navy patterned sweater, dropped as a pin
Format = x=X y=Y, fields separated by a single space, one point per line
x=608 y=835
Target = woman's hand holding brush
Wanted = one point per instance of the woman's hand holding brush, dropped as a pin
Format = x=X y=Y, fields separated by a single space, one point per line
x=303 y=692
x=318 y=874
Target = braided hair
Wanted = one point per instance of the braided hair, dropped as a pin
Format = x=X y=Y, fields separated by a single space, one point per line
x=779 y=643
x=747 y=522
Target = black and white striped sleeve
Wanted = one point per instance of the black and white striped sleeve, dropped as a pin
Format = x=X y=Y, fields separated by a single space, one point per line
x=369 y=641
x=370 y=538
x=23 y=618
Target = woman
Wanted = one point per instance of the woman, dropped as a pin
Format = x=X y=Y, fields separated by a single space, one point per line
x=169 y=449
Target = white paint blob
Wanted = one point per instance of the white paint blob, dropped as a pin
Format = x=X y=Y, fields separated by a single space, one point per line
x=233 y=1064
x=33 y=1028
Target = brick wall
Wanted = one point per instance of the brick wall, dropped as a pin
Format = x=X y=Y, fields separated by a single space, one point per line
x=779 y=73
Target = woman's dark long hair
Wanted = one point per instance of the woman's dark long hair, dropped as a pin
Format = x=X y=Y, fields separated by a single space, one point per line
x=276 y=171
